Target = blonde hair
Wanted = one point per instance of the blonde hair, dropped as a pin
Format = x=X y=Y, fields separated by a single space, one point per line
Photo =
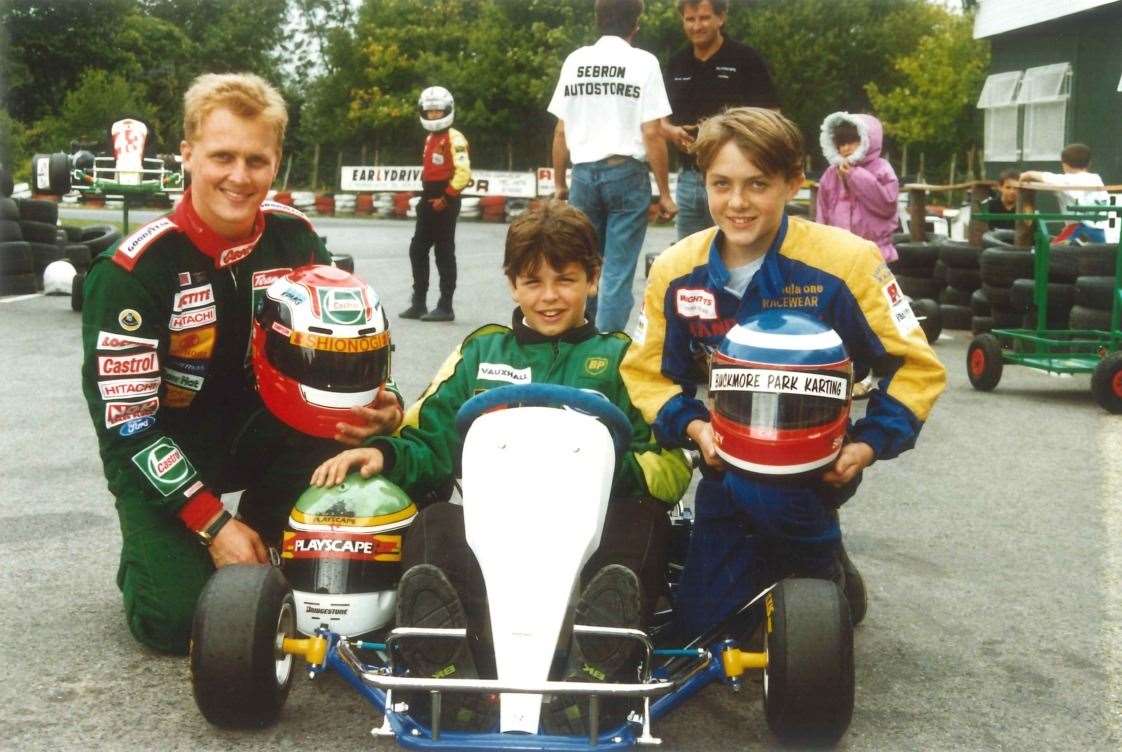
x=245 y=94
x=771 y=141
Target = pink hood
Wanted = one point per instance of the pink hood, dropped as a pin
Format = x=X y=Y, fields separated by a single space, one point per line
x=865 y=202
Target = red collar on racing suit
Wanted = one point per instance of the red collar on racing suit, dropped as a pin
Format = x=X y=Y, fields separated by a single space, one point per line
x=224 y=252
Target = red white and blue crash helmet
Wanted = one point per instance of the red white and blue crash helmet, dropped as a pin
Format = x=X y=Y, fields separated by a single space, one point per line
x=780 y=387
x=321 y=345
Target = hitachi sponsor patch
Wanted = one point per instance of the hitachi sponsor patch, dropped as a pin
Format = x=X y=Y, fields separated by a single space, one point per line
x=184 y=380
x=696 y=304
x=191 y=319
x=164 y=465
x=127 y=365
x=193 y=297
x=128 y=388
x=113 y=341
x=195 y=343
x=266 y=277
x=134 y=246
x=503 y=372
x=117 y=413
x=900 y=309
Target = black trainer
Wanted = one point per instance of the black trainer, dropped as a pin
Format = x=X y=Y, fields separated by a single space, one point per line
x=854 y=587
x=415 y=311
x=440 y=313
x=425 y=598
x=612 y=599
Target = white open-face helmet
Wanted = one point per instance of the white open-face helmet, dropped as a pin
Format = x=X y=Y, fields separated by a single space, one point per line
x=436 y=98
x=58 y=277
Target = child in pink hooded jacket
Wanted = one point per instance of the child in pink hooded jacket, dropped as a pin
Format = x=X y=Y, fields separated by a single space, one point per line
x=858 y=191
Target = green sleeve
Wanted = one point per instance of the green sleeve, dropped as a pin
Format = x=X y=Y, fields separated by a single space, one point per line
x=123 y=341
x=649 y=469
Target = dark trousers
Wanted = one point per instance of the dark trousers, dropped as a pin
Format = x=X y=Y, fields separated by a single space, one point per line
x=435 y=228
x=636 y=534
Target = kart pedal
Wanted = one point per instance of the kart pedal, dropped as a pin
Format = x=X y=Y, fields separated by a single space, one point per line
x=612 y=599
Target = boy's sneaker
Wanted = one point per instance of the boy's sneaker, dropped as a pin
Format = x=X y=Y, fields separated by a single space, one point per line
x=612 y=599
x=425 y=598
x=414 y=311
x=439 y=313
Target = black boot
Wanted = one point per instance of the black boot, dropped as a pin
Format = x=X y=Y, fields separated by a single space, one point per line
x=442 y=312
x=417 y=310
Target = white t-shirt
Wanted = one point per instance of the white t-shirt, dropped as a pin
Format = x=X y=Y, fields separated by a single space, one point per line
x=740 y=276
x=1082 y=198
x=605 y=93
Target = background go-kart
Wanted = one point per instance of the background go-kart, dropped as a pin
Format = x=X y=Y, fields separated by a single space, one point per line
x=992 y=553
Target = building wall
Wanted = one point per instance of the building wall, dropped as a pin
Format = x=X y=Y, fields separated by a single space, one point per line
x=1092 y=43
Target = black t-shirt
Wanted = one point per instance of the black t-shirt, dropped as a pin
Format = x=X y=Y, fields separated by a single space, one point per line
x=994 y=206
x=735 y=76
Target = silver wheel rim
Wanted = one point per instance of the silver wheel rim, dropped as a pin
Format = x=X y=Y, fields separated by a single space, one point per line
x=286 y=626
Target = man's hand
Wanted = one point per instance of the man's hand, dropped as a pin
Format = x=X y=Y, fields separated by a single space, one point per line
x=852 y=459
x=679 y=136
x=667 y=208
x=701 y=433
x=237 y=543
x=332 y=472
x=381 y=419
x=439 y=204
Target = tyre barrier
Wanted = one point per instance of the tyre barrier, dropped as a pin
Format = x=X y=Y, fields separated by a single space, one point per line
x=1096 y=259
x=998 y=239
x=1060 y=296
x=19 y=284
x=39 y=232
x=99 y=237
x=9 y=209
x=956 y=316
x=15 y=258
x=6 y=183
x=1082 y=317
x=37 y=210
x=1095 y=292
x=10 y=231
x=979 y=303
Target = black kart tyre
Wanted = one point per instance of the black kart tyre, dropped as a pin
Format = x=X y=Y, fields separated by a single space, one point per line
x=959 y=255
x=1060 y=296
x=10 y=231
x=77 y=291
x=998 y=239
x=998 y=296
x=344 y=261
x=19 y=284
x=1095 y=292
x=36 y=210
x=983 y=362
x=1082 y=317
x=1097 y=260
x=966 y=280
x=939 y=273
x=930 y=318
x=1106 y=383
x=979 y=303
x=919 y=287
x=928 y=237
x=78 y=254
x=43 y=254
x=239 y=677
x=73 y=233
x=59 y=167
x=981 y=324
x=956 y=316
x=39 y=232
x=954 y=296
x=1000 y=266
x=15 y=258
x=6 y=183
x=1005 y=319
x=1063 y=263
x=808 y=683
x=916 y=259
x=9 y=209
x=99 y=237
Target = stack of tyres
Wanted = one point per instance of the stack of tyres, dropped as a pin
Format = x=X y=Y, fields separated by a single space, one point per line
x=91 y=242
x=493 y=208
x=960 y=270
x=38 y=222
x=1094 y=286
x=915 y=267
x=17 y=272
x=1062 y=273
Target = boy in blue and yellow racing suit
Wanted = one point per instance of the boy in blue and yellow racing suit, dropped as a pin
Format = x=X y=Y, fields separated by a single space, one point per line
x=754 y=260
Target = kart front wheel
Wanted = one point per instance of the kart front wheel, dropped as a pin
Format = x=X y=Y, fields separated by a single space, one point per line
x=239 y=674
x=983 y=362
x=1106 y=383
x=808 y=682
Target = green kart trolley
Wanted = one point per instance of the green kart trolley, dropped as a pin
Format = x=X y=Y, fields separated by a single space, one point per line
x=1093 y=351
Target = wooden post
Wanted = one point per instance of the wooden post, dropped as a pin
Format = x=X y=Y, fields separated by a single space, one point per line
x=904 y=164
x=363 y=153
x=978 y=227
x=337 y=182
x=917 y=214
x=1026 y=204
x=950 y=191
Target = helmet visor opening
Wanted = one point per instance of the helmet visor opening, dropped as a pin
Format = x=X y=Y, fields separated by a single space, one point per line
x=767 y=400
x=337 y=364
x=341 y=576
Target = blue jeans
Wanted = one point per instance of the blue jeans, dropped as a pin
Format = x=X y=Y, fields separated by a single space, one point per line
x=693 y=203
x=615 y=198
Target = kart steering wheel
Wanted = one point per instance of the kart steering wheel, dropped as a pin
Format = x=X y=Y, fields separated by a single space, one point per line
x=549 y=395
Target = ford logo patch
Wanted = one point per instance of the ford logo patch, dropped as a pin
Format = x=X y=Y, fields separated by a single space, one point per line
x=138 y=425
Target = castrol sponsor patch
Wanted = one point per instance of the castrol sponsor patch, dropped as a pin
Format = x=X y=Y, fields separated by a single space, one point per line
x=127 y=365
x=236 y=254
x=117 y=413
x=128 y=388
x=301 y=544
x=164 y=465
x=113 y=341
x=193 y=297
x=192 y=319
x=696 y=304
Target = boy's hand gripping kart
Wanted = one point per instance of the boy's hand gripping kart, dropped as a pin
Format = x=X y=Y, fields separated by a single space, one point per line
x=537 y=469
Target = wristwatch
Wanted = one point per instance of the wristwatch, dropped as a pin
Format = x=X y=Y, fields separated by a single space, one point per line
x=206 y=537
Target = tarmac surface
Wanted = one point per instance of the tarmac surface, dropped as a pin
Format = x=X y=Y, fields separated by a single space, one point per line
x=992 y=553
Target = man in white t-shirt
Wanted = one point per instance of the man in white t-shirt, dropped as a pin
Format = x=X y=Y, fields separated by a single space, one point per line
x=1075 y=160
x=608 y=102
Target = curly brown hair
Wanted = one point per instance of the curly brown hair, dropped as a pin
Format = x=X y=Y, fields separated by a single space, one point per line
x=554 y=232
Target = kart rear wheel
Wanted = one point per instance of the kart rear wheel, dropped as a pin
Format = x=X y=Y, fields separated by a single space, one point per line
x=1106 y=383
x=808 y=682
x=239 y=675
x=983 y=362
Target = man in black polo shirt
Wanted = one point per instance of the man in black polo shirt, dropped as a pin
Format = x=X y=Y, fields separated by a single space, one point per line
x=711 y=73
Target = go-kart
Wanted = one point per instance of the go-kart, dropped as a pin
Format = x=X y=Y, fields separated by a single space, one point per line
x=242 y=661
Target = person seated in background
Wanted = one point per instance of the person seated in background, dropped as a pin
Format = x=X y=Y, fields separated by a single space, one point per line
x=1075 y=160
x=552 y=263
x=1005 y=202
